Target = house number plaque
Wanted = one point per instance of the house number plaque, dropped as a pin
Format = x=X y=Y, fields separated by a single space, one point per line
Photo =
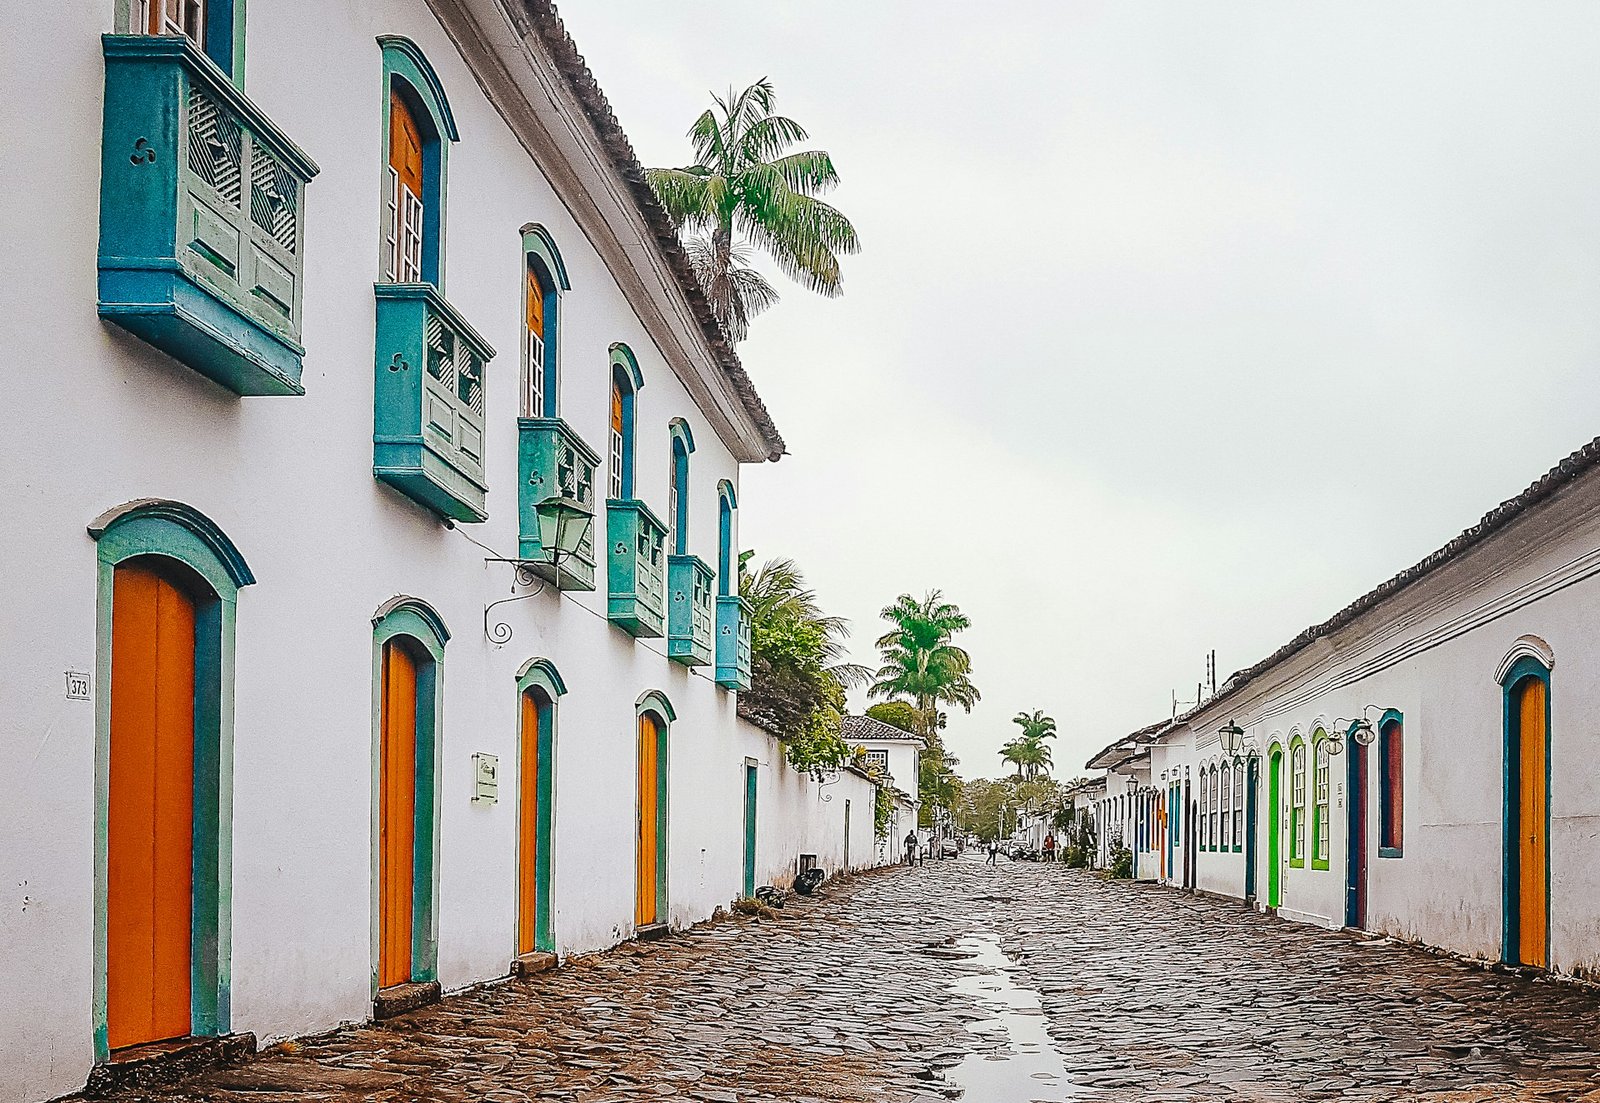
x=485 y=778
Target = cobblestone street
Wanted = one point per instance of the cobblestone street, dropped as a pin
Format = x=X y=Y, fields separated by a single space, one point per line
x=894 y=988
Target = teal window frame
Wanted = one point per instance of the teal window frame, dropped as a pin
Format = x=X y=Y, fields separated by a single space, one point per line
x=407 y=70
x=625 y=372
x=543 y=259
x=727 y=502
x=181 y=534
x=224 y=34
x=541 y=678
x=412 y=619
x=682 y=447
x=1391 y=783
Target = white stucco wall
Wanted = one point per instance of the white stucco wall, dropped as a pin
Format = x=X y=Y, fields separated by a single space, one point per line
x=105 y=419
x=1434 y=652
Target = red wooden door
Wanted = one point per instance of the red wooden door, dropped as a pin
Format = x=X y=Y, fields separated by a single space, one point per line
x=150 y=817
x=397 y=815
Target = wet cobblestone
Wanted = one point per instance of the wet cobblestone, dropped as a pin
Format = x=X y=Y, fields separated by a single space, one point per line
x=1147 y=995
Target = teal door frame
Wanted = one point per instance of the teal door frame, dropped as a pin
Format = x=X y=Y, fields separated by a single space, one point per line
x=750 y=829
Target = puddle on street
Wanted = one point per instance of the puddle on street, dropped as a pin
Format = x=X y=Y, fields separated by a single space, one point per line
x=1019 y=1063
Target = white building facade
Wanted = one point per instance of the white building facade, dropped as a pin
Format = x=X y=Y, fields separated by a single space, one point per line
x=273 y=738
x=1419 y=765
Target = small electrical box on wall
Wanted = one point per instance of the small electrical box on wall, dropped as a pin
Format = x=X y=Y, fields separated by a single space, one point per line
x=485 y=778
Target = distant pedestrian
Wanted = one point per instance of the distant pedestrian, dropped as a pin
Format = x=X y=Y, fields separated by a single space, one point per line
x=1050 y=847
x=911 y=847
x=994 y=854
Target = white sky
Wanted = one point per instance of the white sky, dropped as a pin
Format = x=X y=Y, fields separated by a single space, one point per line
x=1177 y=327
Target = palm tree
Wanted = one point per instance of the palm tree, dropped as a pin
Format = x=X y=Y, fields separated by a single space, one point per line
x=1029 y=752
x=797 y=681
x=743 y=182
x=1035 y=725
x=919 y=659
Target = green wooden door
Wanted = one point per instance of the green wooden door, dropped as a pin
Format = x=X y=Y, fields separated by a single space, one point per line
x=749 y=830
x=1274 y=830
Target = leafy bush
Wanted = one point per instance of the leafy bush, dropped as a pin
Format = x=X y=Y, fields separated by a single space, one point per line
x=1121 y=862
x=882 y=813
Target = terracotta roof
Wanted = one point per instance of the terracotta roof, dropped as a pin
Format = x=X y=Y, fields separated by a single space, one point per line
x=587 y=91
x=865 y=727
x=1547 y=486
x=1146 y=734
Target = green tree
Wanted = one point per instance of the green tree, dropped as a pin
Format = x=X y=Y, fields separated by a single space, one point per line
x=1029 y=752
x=745 y=189
x=921 y=661
x=797 y=681
x=897 y=714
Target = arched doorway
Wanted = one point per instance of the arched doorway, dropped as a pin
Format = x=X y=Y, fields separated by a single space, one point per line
x=1527 y=804
x=168 y=583
x=538 y=688
x=409 y=641
x=650 y=866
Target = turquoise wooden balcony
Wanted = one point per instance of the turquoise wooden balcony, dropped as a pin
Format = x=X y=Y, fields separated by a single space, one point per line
x=427 y=439
x=202 y=218
x=689 y=610
x=733 y=642
x=553 y=461
x=636 y=567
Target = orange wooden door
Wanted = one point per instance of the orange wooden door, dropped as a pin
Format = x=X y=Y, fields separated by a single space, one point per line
x=397 y=814
x=528 y=829
x=644 y=911
x=1533 y=845
x=150 y=818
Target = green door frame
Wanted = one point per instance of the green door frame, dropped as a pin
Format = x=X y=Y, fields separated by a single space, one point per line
x=1274 y=828
x=750 y=829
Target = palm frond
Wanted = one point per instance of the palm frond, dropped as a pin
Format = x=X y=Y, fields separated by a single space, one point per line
x=683 y=194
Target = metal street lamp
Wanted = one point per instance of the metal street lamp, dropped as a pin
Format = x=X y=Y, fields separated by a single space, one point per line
x=1232 y=739
x=563 y=524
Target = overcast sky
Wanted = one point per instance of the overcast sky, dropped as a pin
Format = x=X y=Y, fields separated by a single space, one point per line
x=1177 y=326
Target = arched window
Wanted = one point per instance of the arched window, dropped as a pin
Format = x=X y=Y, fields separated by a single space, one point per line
x=626 y=380
x=1216 y=807
x=1205 y=811
x=678 y=490
x=417 y=134
x=1226 y=804
x=168 y=582
x=1239 y=774
x=1297 y=802
x=726 y=584
x=545 y=278
x=1391 y=787
x=1319 y=814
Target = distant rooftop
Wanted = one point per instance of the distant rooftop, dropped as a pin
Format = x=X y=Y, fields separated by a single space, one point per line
x=862 y=728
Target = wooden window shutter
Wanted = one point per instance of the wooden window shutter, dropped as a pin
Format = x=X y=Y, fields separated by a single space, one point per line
x=405 y=145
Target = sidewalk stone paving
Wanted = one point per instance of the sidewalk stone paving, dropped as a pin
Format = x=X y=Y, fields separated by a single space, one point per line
x=1148 y=995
